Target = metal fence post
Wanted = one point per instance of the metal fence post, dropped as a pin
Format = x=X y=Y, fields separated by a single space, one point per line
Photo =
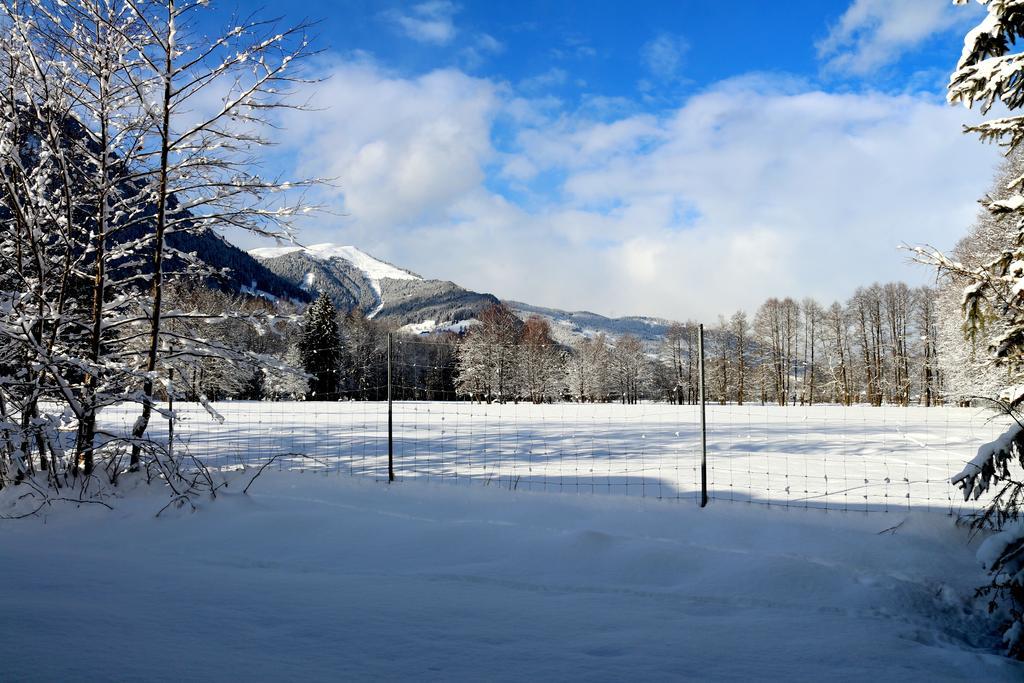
x=703 y=420
x=170 y=406
x=391 y=440
x=170 y=414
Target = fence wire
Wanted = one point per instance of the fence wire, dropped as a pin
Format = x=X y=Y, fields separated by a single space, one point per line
x=852 y=458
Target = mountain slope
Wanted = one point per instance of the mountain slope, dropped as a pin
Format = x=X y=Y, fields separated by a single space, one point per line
x=238 y=270
x=357 y=281
x=233 y=269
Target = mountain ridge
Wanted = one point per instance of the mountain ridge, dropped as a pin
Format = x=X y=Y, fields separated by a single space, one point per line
x=356 y=280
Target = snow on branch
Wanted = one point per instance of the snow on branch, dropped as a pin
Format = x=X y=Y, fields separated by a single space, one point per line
x=991 y=463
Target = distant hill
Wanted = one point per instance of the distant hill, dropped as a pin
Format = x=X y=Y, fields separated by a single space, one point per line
x=354 y=279
x=567 y=325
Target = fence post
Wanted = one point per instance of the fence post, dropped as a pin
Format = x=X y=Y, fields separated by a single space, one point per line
x=703 y=420
x=391 y=442
x=170 y=406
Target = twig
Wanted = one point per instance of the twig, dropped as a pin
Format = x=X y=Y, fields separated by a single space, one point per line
x=260 y=471
x=180 y=500
x=891 y=530
x=80 y=501
x=48 y=501
x=27 y=514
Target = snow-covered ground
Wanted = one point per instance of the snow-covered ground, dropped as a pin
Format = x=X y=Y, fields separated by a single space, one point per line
x=858 y=458
x=327 y=577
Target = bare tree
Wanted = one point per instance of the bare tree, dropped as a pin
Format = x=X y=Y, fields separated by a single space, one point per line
x=866 y=307
x=812 y=316
x=587 y=369
x=630 y=368
x=722 y=343
x=541 y=364
x=927 y=326
x=101 y=164
x=775 y=325
x=676 y=362
x=739 y=327
x=897 y=303
x=488 y=356
x=204 y=164
x=835 y=339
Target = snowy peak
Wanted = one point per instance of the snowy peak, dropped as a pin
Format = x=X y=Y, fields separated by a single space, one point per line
x=354 y=280
x=350 y=276
x=374 y=269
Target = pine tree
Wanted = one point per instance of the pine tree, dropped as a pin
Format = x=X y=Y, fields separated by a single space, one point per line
x=320 y=347
x=966 y=362
x=255 y=387
x=993 y=304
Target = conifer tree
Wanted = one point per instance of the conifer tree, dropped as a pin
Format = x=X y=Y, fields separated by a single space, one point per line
x=987 y=73
x=320 y=347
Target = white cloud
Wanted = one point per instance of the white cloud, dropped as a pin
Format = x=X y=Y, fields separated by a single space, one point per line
x=485 y=42
x=663 y=55
x=757 y=187
x=551 y=78
x=749 y=192
x=427 y=22
x=874 y=33
x=402 y=150
x=482 y=46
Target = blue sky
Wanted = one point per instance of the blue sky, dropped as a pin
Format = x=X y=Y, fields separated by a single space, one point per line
x=681 y=159
x=656 y=52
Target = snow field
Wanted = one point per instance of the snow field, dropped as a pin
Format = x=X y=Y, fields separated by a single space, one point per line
x=832 y=457
x=335 y=578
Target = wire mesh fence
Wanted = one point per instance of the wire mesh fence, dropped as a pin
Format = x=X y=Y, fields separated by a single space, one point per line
x=854 y=458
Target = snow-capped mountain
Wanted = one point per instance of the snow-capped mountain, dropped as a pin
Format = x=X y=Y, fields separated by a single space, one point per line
x=354 y=279
x=350 y=276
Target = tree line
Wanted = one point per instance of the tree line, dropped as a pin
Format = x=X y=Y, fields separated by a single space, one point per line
x=879 y=347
